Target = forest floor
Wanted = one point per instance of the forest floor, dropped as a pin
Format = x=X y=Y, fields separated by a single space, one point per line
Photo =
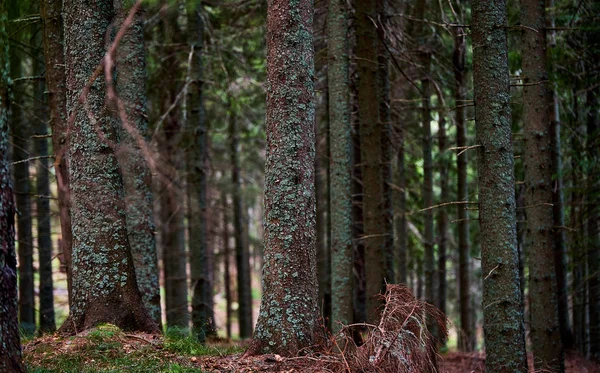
x=107 y=349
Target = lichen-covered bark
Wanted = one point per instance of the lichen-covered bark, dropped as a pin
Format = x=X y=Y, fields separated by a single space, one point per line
x=51 y=12
x=197 y=163
x=466 y=340
x=42 y=182
x=502 y=302
x=537 y=158
x=288 y=318
x=104 y=283
x=10 y=344
x=371 y=149
x=131 y=89
x=340 y=132
x=21 y=129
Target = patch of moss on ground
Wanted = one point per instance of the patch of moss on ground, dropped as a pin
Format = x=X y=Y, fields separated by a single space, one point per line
x=108 y=349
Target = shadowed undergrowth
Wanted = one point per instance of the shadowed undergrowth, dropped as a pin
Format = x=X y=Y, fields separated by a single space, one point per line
x=108 y=349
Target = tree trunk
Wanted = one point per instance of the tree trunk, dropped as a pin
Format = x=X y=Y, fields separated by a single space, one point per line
x=51 y=11
x=537 y=154
x=201 y=281
x=442 y=218
x=10 y=348
x=131 y=87
x=502 y=302
x=340 y=132
x=288 y=318
x=20 y=136
x=242 y=255
x=171 y=226
x=385 y=123
x=467 y=335
x=104 y=283
x=226 y=264
x=42 y=187
x=371 y=157
x=593 y=214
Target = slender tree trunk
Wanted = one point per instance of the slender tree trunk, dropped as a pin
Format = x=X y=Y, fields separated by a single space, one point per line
x=502 y=302
x=20 y=136
x=537 y=154
x=51 y=12
x=227 y=265
x=385 y=120
x=427 y=141
x=593 y=214
x=42 y=187
x=370 y=146
x=104 y=283
x=131 y=87
x=442 y=218
x=10 y=348
x=340 y=134
x=401 y=230
x=287 y=321
x=201 y=281
x=242 y=256
x=467 y=335
x=171 y=226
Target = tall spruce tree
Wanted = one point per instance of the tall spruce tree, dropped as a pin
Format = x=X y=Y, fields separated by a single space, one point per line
x=10 y=347
x=543 y=302
x=288 y=318
x=340 y=132
x=104 y=282
x=502 y=301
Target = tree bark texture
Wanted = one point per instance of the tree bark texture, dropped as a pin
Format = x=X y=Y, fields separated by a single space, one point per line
x=340 y=133
x=442 y=217
x=371 y=157
x=288 y=318
x=10 y=348
x=502 y=302
x=466 y=341
x=51 y=12
x=131 y=88
x=537 y=159
x=104 y=283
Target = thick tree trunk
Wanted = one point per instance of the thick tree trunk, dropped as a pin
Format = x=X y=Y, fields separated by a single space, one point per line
x=22 y=187
x=200 y=276
x=242 y=255
x=104 y=283
x=288 y=318
x=502 y=302
x=51 y=11
x=467 y=335
x=131 y=87
x=370 y=147
x=10 y=348
x=537 y=154
x=47 y=322
x=340 y=132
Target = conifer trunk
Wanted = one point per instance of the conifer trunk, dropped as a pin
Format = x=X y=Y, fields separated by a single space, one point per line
x=537 y=154
x=340 y=134
x=51 y=12
x=288 y=318
x=502 y=302
x=10 y=348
